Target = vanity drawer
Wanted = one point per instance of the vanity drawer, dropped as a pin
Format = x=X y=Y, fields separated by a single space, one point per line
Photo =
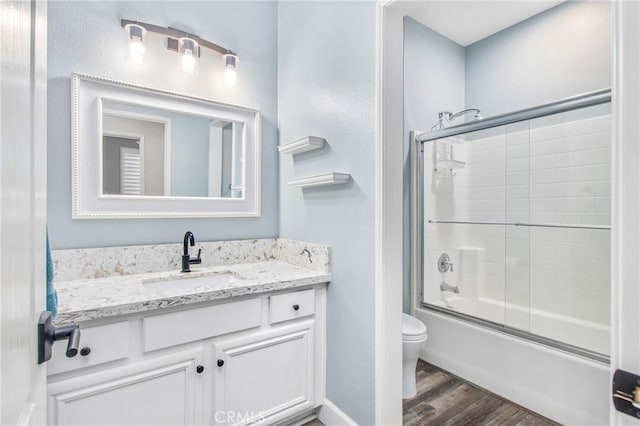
x=106 y=342
x=288 y=306
x=162 y=331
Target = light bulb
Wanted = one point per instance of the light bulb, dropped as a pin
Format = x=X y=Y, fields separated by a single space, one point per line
x=230 y=74
x=188 y=61
x=136 y=50
x=135 y=39
x=189 y=53
x=230 y=77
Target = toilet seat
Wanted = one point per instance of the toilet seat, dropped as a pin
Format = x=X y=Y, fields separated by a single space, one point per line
x=413 y=329
x=418 y=337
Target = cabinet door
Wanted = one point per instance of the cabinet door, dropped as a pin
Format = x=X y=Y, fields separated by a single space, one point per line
x=264 y=377
x=157 y=392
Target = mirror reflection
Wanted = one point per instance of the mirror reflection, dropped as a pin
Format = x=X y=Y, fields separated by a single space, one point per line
x=153 y=152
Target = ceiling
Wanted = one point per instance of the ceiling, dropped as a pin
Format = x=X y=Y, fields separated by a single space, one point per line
x=468 y=21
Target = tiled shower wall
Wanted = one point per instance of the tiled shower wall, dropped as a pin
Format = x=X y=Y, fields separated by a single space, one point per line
x=552 y=282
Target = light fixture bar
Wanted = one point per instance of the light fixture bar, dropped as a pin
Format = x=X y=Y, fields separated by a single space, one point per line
x=176 y=34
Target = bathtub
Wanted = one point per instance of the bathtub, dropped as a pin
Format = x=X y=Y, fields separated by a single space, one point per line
x=564 y=329
x=564 y=387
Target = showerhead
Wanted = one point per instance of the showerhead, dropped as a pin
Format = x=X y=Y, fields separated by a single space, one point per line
x=477 y=115
x=450 y=116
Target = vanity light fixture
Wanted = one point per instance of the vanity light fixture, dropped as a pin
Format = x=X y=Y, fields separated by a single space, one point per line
x=135 y=40
x=188 y=45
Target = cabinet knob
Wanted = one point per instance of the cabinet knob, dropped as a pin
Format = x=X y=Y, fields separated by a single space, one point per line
x=220 y=362
x=296 y=307
x=199 y=369
x=85 y=351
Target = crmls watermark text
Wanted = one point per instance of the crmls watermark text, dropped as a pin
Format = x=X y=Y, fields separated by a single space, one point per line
x=234 y=417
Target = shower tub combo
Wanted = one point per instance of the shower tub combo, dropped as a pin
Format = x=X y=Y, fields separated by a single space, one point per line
x=511 y=219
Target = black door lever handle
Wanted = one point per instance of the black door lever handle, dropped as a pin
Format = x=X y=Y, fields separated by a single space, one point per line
x=48 y=334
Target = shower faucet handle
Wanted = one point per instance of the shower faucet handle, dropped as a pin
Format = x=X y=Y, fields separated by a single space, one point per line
x=444 y=263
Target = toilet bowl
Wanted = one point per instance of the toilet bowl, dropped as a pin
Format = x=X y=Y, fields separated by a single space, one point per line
x=414 y=337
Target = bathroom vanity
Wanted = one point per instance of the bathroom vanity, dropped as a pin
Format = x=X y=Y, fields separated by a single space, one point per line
x=239 y=340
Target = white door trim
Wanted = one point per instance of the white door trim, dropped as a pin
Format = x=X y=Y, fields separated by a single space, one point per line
x=625 y=265
x=388 y=215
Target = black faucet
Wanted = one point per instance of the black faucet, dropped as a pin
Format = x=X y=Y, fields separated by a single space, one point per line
x=186 y=258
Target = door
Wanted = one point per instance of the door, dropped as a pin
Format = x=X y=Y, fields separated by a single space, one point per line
x=247 y=370
x=23 y=158
x=625 y=351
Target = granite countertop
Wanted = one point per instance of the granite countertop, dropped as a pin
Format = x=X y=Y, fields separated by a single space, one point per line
x=93 y=298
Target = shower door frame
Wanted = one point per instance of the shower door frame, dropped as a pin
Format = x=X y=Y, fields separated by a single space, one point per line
x=417 y=142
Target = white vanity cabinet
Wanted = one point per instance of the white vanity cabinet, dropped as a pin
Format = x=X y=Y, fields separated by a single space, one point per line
x=264 y=375
x=160 y=392
x=222 y=363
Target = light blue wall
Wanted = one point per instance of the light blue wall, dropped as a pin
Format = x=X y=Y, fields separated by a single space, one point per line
x=562 y=52
x=87 y=37
x=326 y=88
x=434 y=71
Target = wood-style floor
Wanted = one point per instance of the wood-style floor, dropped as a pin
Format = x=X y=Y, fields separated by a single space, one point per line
x=444 y=399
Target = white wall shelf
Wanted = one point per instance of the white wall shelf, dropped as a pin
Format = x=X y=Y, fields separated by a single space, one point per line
x=325 y=179
x=305 y=144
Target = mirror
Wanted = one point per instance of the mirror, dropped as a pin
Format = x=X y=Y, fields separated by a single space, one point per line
x=141 y=152
x=146 y=151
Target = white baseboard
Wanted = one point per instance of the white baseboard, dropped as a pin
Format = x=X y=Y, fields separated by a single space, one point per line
x=330 y=415
x=299 y=421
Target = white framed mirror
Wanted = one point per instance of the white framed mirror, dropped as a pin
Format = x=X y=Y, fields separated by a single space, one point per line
x=140 y=152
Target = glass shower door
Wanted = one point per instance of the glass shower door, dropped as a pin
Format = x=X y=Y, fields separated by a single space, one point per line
x=516 y=227
x=517 y=238
x=464 y=215
x=570 y=188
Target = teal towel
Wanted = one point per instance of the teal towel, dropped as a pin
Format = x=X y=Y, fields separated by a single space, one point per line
x=52 y=296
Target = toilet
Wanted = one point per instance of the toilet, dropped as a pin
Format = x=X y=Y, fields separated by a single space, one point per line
x=414 y=337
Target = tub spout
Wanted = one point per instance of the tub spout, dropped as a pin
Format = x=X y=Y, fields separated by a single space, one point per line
x=448 y=287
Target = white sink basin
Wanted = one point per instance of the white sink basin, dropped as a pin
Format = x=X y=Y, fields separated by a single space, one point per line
x=190 y=280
